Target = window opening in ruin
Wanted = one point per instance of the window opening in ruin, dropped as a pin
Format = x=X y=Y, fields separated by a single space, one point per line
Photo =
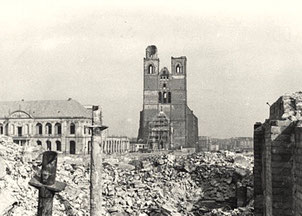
x=48 y=128
x=39 y=129
x=1 y=129
x=150 y=69
x=48 y=144
x=178 y=69
x=39 y=143
x=165 y=97
x=159 y=97
x=58 y=129
x=59 y=145
x=19 y=131
x=169 y=97
x=72 y=149
x=72 y=128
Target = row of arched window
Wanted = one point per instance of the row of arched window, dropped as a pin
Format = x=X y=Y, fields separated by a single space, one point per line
x=164 y=97
x=49 y=129
x=57 y=129
x=72 y=146
x=178 y=69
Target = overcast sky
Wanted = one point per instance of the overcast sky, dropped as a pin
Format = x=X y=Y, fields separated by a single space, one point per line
x=241 y=54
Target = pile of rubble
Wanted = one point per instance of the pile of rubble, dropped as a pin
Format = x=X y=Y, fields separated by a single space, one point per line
x=198 y=184
x=292 y=106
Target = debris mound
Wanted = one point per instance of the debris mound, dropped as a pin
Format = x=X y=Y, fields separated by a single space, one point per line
x=196 y=184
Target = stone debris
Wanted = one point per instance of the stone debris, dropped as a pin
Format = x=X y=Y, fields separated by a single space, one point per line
x=196 y=184
x=292 y=106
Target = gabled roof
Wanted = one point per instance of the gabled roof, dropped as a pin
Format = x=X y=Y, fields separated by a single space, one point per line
x=45 y=109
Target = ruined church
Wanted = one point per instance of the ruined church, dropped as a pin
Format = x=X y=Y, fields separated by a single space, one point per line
x=166 y=121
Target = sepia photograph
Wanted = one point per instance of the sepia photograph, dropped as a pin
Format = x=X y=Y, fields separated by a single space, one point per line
x=150 y=108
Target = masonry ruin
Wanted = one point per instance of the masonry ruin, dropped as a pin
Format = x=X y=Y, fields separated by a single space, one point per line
x=278 y=159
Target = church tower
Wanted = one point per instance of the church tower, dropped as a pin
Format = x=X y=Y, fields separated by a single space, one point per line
x=165 y=100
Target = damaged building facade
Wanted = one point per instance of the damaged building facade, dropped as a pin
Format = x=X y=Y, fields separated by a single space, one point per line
x=57 y=125
x=278 y=159
x=166 y=121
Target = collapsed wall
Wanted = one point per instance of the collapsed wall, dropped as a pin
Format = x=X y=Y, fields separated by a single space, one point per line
x=278 y=159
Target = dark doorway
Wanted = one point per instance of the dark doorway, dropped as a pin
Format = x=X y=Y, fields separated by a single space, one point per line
x=72 y=147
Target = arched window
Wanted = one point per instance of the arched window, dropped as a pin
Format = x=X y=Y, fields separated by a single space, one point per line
x=150 y=69
x=58 y=129
x=165 y=97
x=169 y=97
x=39 y=130
x=159 y=97
x=59 y=146
x=48 y=144
x=164 y=85
x=72 y=128
x=48 y=128
x=1 y=129
x=39 y=143
x=178 y=69
x=72 y=147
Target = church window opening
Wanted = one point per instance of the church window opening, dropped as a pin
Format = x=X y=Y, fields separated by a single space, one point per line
x=150 y=69
x=178 y=69
x=169 y=97
x=165 y=97
x=159 y=97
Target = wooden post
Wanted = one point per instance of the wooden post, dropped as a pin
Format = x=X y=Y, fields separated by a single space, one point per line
x=47 y=184
x=96 y=163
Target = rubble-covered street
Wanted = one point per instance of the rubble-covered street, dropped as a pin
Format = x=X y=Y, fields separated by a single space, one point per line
x=163 y=184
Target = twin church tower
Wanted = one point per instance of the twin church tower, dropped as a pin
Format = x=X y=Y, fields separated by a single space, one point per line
x=166 y=121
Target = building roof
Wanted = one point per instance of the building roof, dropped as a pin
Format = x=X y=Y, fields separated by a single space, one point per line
x=43 y=109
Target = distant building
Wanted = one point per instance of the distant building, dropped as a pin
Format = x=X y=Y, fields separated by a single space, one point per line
x=136 y=145
x=166 y=121
x=206 y=143
x=57 y=125
x=116 y=144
